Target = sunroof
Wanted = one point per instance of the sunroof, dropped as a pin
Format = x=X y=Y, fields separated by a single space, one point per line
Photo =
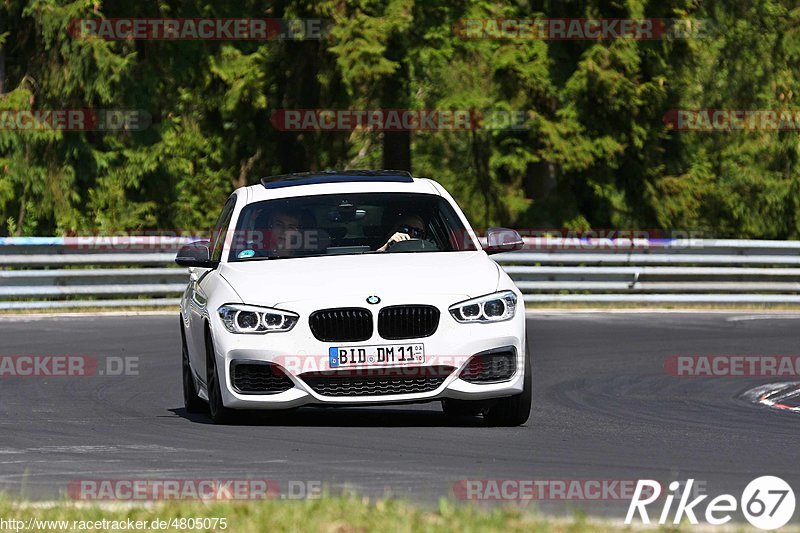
x=339 y=176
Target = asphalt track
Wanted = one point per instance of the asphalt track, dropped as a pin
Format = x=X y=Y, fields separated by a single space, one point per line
x=604 y=408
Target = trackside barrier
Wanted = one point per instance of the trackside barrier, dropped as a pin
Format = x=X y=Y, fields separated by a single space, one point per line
x=59 y=272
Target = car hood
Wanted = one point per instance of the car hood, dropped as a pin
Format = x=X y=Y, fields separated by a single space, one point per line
x=272 y=282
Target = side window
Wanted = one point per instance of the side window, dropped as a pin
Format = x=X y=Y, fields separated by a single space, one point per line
x=221 y=228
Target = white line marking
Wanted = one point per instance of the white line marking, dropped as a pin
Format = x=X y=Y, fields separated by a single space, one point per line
x=44 y=316
x=776 y=316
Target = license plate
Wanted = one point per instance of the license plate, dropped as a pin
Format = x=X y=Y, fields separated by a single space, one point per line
x=378 y=355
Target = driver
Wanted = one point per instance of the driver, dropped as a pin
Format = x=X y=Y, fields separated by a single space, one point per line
x=285 y=227
x=279 y=231
x=406 y=228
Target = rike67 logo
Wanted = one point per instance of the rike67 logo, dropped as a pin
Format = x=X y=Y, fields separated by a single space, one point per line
x=767 y=503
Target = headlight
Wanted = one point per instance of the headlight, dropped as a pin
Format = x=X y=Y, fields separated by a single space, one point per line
x=490 y=308
x=252 y=319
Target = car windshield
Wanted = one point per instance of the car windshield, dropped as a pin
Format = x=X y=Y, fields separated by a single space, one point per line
x=344 y=224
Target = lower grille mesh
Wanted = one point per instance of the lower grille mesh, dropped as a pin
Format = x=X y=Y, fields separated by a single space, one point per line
x=259 y=378
x=490 y=368
x=366 y=383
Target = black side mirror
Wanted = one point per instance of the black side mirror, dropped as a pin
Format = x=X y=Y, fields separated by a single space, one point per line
x=503 y=240
x=195 y=254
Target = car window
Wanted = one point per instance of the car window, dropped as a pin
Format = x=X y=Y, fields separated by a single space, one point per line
x=220 y=229
x=343 y=224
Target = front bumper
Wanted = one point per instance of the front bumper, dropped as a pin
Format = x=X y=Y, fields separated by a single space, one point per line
x=299 y=354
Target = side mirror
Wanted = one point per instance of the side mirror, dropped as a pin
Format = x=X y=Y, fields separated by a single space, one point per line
x=503 y=240
x=195 y=254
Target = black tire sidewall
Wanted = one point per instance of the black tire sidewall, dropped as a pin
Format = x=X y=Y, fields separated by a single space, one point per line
x=219 y=413
x=191 y=401
x=514 y=410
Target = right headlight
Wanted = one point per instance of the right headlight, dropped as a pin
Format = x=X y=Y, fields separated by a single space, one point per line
x=495 y=307
x=240 y=318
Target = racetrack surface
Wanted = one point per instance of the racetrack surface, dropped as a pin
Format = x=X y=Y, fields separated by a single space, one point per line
x=604 y=408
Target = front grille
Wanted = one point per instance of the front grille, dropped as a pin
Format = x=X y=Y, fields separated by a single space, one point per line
x=377 y=382
x=407 y=321
x=258 y=378
x=490 y=367
x=346 y=324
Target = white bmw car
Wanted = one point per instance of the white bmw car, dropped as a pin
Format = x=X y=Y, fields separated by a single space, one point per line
x=352 y=288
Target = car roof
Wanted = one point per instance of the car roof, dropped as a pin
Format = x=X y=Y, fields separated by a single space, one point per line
x=333 y=182
x=336 y=176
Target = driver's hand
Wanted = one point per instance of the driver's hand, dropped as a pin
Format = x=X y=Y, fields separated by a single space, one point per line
x=397 y=237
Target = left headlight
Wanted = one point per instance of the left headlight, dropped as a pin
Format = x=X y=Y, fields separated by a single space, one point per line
x=240 y=318
x=490 y=308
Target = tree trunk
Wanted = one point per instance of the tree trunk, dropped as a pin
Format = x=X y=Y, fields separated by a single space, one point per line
x=2 y=55
x=395 y=95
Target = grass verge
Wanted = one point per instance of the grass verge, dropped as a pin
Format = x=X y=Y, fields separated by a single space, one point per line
x=340 y=514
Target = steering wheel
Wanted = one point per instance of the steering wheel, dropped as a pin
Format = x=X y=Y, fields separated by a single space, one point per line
x=413 y=245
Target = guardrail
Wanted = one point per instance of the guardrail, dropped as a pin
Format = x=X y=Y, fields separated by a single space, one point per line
x=57 y=272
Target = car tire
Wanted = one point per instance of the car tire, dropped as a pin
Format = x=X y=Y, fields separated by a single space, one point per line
x=453 y=407
x=191 y=401
x=513 y=410
x=219 y=413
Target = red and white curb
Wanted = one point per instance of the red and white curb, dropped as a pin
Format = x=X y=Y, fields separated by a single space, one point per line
x=783 y=396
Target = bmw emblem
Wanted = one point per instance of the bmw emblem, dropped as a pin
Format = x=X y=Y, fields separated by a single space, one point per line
x=373 y=300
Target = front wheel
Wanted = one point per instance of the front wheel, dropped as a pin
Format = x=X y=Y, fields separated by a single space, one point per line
x=514 y=410
x=219 y=413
